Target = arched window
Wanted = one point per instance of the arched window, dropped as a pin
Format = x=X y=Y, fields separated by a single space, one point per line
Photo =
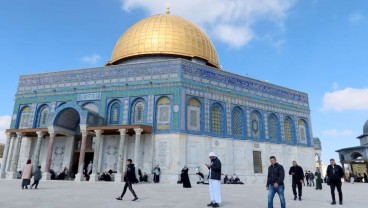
x=42 y=117
x=288 y=130
x=115 y=111
x=24 y=117
x=272 y=128
x=302 y=126
x=216 y=119
x=194 y=115
x=138 y=115
x=163 y=113
x=256 y=125
x=237 y=122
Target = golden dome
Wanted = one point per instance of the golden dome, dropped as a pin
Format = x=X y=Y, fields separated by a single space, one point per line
x=167 y=35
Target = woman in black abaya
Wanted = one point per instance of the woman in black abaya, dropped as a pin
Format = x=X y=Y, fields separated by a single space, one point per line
x=185 y=177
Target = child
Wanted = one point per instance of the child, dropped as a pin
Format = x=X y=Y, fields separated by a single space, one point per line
x=37 y=175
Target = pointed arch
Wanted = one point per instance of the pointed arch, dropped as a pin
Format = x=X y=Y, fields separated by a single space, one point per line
x=194 y=114
x=42 y=117
x=114 y=113
x=237 y=121
x=25 y=115
x=256 y=125
x=288 y=130
x=138 y=111
x=216 y=118
x=302 y=130
x=163 y=113
x=273 y=128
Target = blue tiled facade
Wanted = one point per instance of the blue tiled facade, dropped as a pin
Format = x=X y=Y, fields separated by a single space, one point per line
x=92 y=91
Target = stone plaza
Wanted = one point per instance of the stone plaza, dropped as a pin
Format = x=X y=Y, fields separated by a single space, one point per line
x=61 y=194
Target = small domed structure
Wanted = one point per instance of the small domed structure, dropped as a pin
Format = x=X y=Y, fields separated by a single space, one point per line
x=365 y=128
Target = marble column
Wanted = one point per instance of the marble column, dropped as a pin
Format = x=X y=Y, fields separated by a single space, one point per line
x=82 y=154
x=36 y=155
x=5 y=156
x=14 y=162
x=120 y=163
x=96 y=157
x=50 y=149
x=11 y=152
x=137 y=148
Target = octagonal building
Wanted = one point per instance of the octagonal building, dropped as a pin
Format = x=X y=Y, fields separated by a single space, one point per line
x=162 y=100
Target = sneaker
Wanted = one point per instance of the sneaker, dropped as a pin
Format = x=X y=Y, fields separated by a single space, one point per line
x=333 y=203
x=135 y=199
x=340 y=203
x=210 y=204
x=119 y=198
x=300 y=198
x=294 y=198
x=215 y=205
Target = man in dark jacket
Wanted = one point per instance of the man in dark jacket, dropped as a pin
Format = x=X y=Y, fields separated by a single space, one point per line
x=214 y=180
x=275 y=182
x=129 y=178
x=298 y=175
x=334 y=174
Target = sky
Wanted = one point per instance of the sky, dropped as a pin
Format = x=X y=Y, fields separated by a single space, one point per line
x=314 y=46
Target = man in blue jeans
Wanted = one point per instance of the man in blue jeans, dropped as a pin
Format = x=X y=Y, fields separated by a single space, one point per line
x=275 y=182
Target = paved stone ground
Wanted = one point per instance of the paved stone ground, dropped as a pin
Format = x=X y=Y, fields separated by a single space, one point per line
x=67 y=194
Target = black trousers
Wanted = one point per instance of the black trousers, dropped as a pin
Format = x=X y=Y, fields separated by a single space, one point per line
x=336 y=184
x=128 y=184
x=294 y=185
x=35 y=183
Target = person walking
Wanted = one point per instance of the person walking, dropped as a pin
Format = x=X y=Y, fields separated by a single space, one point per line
x=156 y=174
x=185 y=177
x=311 y=178
x=275 y=182
x=214 y=180
x=129 y=179
x=335 y=173
x=318 y=180
x=27 y=175
x=297 y=175
x=37 y=175
x=307 y=177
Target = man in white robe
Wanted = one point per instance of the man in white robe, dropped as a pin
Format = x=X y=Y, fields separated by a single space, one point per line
x=214 y=180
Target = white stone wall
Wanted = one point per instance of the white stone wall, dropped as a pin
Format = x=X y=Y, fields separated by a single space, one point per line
x=109 y=153
x=62 y=155
x=173 y=151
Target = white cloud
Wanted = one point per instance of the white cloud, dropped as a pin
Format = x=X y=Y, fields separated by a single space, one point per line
x=335 y=132
x=4 y=124
x=356 y=17
x=346 y=99
x=230 y=21
x=92 y=59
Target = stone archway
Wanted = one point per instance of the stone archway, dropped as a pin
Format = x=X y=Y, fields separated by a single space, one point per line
x=68 y=118
x=356 y=156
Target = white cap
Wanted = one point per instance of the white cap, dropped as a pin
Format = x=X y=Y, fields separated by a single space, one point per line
x=212 y=154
